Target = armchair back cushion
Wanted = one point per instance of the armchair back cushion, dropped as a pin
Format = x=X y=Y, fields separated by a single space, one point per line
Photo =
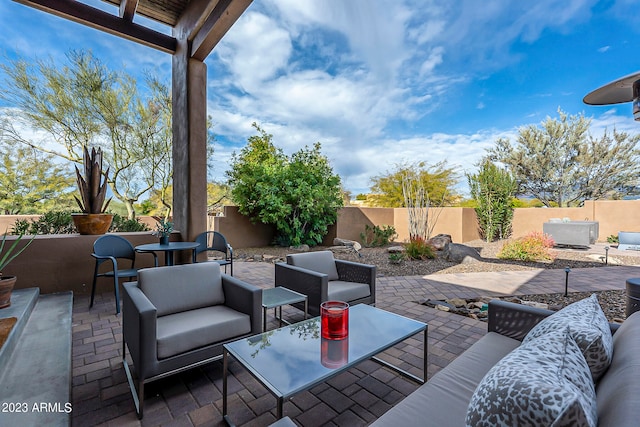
x=179 y=288
x=318 y=261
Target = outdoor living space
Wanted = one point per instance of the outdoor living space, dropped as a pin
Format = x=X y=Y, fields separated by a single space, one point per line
x=101 y=396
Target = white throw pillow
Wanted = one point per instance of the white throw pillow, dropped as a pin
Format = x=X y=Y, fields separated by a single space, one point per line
x=589 y=328
x=545 y=382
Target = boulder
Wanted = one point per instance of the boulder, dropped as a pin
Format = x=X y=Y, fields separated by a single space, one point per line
x=347 y=243
x=396 y=249
x=299 y=248
x=462 y=254
x=440 y=241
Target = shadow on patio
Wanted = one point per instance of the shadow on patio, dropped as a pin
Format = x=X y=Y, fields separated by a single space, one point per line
x=100 y=393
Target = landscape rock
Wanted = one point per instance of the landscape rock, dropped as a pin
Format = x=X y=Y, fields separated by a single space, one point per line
x=442 y=307
x=341 y=249
x=351 y=244
x=299 y=248
x=440 y=241
x=457 y=302
x=462 y=254
x=396 y=249
x=535 y=304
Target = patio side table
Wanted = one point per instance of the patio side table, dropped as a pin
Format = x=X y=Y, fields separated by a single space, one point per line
x=277 y=297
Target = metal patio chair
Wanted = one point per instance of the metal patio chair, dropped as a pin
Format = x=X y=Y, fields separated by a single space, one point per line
x=214 y=241
x=112 y=248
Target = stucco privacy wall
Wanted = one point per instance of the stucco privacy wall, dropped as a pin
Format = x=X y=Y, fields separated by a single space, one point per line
x=460 y=223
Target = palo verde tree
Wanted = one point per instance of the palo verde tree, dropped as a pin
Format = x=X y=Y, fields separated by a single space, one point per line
x=437 y=180
x=561 y=164
x=31 y=182
x=85 y=104
x=493 y=190
x=299 y=195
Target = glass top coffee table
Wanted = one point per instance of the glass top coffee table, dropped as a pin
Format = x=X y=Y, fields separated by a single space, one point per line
x=295 y=358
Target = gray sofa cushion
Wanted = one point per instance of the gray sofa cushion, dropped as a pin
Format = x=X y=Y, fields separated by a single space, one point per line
x=347 y=291
x=618 y=392
x=544 y=382
x=444 y=399
x=182 y=287
x=181 y=332
x=318 y=261
x=589 y=327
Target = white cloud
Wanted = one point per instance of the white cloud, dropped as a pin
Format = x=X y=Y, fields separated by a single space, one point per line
x=603 y=49
x=255 y=51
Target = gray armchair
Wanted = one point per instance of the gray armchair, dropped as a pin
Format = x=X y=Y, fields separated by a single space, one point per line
x=322 y=278
x=176 y=318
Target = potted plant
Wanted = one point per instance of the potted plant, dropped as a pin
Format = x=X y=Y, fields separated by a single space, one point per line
x=6 y=256
x=163 y=230
x=93 y=191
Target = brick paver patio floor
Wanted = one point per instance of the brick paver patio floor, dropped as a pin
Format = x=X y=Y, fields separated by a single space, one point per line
x=100 y=393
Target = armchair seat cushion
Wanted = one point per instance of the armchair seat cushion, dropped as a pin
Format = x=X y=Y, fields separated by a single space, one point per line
x=348 y=291
x=180 y=332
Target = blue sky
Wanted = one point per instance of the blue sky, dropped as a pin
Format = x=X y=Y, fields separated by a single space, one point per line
x=382 y=82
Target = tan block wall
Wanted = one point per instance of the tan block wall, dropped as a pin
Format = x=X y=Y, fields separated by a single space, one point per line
x=240 y=232
x=526 y=220
x=57 y=263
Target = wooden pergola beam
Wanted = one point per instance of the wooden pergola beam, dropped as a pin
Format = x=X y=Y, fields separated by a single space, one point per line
x=96 y=18
x=128 y=9
x=217 y=24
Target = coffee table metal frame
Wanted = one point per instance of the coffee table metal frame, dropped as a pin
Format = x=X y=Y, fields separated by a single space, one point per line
x=245 y=351
x=277 y=297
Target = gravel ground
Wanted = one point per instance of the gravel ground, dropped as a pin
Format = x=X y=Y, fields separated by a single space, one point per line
x=613 y=302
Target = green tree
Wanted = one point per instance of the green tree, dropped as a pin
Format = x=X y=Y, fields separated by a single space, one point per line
x=493 y=190
x=561 y=164
x=85 y=104
x=299 y=195
x=438 y=181
x=31 y=182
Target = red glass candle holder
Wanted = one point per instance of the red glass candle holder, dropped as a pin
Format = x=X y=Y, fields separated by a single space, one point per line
x=334 y=317
x=334 y=353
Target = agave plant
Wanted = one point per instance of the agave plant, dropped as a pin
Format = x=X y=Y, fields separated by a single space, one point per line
x=92 y=189
x=8 y=255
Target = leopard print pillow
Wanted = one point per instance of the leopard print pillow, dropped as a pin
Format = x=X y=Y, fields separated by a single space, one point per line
x=590 y=329
x=545 y=382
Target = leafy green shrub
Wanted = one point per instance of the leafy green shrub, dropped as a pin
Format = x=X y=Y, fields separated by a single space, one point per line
x=52 y=222
x=418 y=248
x=61 y=222
x=378 y=236
x=613 y=239
x=298 y=194
x=397 y=257
x=122 y=224
x=534 y=246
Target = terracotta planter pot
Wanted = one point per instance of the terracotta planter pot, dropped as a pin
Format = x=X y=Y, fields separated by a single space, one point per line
x=92 y=223
x=6 y=287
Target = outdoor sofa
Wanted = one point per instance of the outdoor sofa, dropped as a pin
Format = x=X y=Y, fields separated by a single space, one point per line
x=444 y=399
